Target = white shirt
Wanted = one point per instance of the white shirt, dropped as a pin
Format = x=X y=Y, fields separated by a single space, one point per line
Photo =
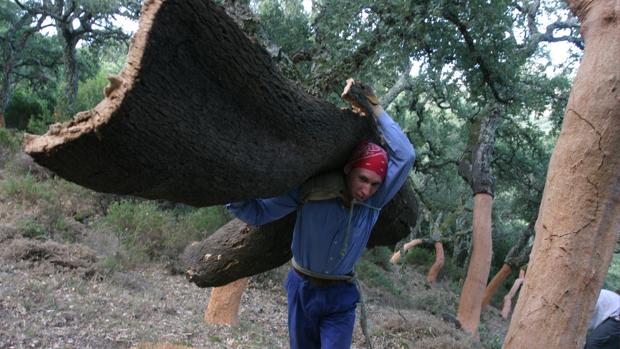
x=607 y=305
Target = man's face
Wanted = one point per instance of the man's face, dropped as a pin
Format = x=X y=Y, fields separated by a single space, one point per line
x=362 y=183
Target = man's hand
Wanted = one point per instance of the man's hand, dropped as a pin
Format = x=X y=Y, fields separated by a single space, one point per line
x=364 y=102
x=362 y=98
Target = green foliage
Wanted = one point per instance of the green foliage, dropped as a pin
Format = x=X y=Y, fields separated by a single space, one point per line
x=30 y=228
x=23 y=107
x=286 y=23
x=380 y=256
x=9 y=140
x=452 y=271
x=90 y=91
x=139 y=226
x=39 y=124
x=420 y=257
x=206 y=219
x=374 y=274
x=612 y=281
x=26 y=189
x=147 y=232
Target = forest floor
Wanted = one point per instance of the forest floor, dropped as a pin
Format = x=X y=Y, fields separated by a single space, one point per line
x=58 y=292
x=46 y=305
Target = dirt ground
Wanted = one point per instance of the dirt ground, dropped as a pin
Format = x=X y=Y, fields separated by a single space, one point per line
x=46 y=304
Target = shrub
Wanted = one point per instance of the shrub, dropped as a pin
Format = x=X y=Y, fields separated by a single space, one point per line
x=26 y=189
x=38 y=124
x=374 y=276
x=10 y=139
x=420 y=256
x=30 y=228
x=206 y=219
x=147 y=232
x=140 y=227
x=23 y=106
x=380 y=256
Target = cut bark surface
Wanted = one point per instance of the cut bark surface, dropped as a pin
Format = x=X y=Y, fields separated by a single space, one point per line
x=495 y=283
x=579 y=216
x=470 y=304
x=223 y=308
x=433 y=272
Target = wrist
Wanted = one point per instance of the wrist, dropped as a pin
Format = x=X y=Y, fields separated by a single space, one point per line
x=377 y=110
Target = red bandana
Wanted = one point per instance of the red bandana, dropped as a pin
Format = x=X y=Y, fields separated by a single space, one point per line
x=369 y=156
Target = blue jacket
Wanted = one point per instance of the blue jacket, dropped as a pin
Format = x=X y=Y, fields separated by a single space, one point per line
x=322 y=227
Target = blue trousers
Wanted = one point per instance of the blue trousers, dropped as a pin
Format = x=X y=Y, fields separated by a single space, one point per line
x=320 y=317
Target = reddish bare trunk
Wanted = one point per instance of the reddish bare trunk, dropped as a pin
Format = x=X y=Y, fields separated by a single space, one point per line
x=579 y=216
x=479 y=265
x=436 y=267
x=224 y=303
x=495 y=283
x=507 y=307
x=411 y=244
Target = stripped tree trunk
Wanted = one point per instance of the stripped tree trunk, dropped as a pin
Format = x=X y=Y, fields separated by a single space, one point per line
x=499 y=278
x=224 y=303
x=579 y=216
x=470 y=304
x=517 y=257
x=436 y=267
x=475 y=168
x=411 y=244
x=507 y=307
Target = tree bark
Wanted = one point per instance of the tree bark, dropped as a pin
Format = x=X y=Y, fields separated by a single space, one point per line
x=475 y=168
x=411 y=244
x=579 y=216
x=436 y=267
x=495 y=283
x=517 y=257
x=224 y=303
x=199 y=115
x=69 y=57
x=5 y=87
x=507 y=307
x=237 y=250
x=470 y=304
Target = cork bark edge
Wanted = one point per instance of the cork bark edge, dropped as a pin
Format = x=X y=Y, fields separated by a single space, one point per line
x=90 y=120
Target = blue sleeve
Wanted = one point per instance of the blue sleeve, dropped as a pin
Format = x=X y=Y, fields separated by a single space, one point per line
x=263 y=211
x=401 y=157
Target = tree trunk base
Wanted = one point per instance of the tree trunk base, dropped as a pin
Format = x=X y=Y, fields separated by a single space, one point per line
x=470 y=304
x=224 y=303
